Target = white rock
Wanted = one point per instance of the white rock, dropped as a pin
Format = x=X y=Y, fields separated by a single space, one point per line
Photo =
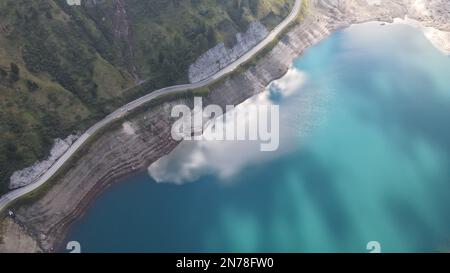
x=128 y=128
x=73 y=2
x=30 y=174
x=440 y=39
x=219 y=56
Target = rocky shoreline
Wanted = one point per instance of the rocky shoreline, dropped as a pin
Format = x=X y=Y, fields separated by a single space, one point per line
x=40 y=226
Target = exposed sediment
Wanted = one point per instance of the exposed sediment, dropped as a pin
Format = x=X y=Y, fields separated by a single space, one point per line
x=122 y=151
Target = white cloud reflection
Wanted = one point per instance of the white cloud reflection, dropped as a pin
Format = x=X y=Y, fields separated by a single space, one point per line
x=193 y=159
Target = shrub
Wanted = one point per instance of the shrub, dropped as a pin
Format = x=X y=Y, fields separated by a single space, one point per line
x=32 y=86
x=15 y=73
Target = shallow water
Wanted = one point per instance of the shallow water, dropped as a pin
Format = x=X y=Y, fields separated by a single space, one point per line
x=364 y=156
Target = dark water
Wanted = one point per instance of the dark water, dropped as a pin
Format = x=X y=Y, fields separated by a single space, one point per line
x=364 y=156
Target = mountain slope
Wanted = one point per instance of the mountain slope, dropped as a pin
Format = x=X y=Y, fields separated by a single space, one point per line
x=64 y=67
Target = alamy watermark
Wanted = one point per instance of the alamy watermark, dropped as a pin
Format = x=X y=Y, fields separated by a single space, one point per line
x=374 y=247
x=214 y=123
x=74 y=247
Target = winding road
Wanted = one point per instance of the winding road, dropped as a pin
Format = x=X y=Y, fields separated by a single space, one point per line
x=6 y=199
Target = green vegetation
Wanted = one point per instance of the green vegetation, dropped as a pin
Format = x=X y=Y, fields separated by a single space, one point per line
x=39 y=192
x=32 y=86
x=64 y=68
x=252 y=62
x=304 y=10
x=166 y=47
x=15 y=73
x=177 y=32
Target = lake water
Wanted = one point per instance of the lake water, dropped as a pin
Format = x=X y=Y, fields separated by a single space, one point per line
x=364 y=156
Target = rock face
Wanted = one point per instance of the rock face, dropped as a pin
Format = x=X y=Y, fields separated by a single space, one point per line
x=432 y=18
x=73 y=2
x=434 y=13
x=28 y=175
x=220 y=56
x=440 y=39
x=120 y=152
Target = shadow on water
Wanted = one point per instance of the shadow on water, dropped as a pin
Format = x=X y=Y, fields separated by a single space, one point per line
x=411 y=225
x=319 y=185
x=256 y=196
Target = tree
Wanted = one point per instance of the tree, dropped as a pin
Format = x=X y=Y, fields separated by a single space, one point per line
x=15 y=73
x=32 y=86
x=254 y=7
x=3 y=74
x=12 y=152
x=211 y=37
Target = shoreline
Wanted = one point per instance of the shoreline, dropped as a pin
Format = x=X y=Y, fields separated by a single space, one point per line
x=104 y=187
x=85 y=204
x=123 y=111
x=439 y=39
x=315 y=27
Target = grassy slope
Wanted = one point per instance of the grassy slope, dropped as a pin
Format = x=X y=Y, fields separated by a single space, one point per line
x=71 y=78
x=170 y=35
x=73 y=69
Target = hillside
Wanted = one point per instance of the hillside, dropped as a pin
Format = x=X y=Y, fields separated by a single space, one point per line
x=64 y=67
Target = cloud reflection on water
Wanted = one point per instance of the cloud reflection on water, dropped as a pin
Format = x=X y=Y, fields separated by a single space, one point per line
x=193 y=159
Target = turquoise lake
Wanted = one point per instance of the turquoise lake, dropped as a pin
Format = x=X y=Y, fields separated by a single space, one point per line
x=364 y=156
